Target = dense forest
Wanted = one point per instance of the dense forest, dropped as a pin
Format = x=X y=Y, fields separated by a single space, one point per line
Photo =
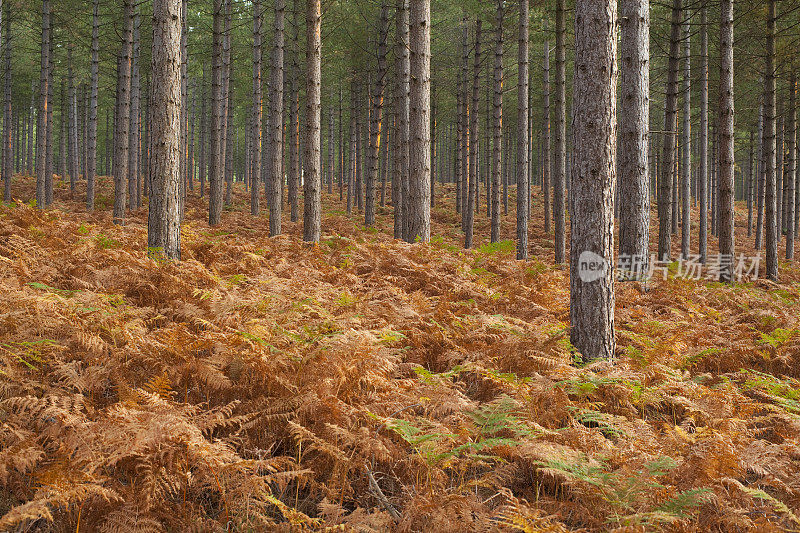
x=407 y=265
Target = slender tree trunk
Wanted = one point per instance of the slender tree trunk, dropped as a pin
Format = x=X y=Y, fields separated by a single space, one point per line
x=791 y=178
x=62 y=138
x=91 y=142
x=560 y=138
x=403 y=103
x=759 y=240
x=523 y=162
x=779 y=151
x=163 y=225
x=666 y=185
x=312 y=200
x=702 y=178
x=122 y=116
x=472 y=193
x=134 y=181
x=545 y=156
x=190 y=163
x=294 y=115
x=204 y=125
x=41 y=126
x=634 y=204
x=72 y=139
x=497 y=126
x=725 y=149
x=33 y=119
x=275 y=154
x=771 y=219
x=227 y=102
x=8 y=134
x=332 y=154
x=593 y=180
x=377 y=110
x=216 y=151
x=749 y=186
x=48 y=173
x=257 y=111
x=686 y=175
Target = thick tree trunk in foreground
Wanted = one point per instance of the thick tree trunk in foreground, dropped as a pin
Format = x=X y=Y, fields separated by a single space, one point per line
x=312 y=201
x=725 y=167
x=163 y=224
x=216 y=151
x=593 y=180
x=419 y=198
x=634 y=204
x=523 y=163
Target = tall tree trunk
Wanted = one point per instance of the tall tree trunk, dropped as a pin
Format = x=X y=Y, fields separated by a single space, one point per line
x=122 y=115
x=48 y=173
x=779 y=151
x=91 y=143
x=497 y=126
x=473 y=140
x=759 y=240
x=41 y=124
x=34 y=120
x=62 y=138
x=216 y=151
x=545 y=152
x=791 y=178
x=725 y=166
x=593 y=180
x=204 y=140
x=702 y=178
x=332 y=154
x=403 y=110
x=227 y=102
x=668 y=161
x=190 y=163
x=257 y=111
x=419 y=198
x=462 y=133
x=8 y=152
x=749 y=185
x=377 y=110
x=163 y=224
x=134 y=180
x=294 y=114
x=686 y=174
x=634 y=203
x=275 y=154
x=72 y=139
x=523 y=162
x=771 y=220
x=312 y=200
x=560 y=138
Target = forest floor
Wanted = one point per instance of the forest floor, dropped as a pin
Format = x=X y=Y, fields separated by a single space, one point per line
x=261 y=384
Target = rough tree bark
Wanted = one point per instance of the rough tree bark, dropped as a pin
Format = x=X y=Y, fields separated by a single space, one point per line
x=770 y=220
x=560 y=137
x=91 y=144
x=377 y=110
x=275 y=128
x=41 y=119
x=257 y=111
x=216 y=160
x=523 y=192
x=7 y=116
x=725 y=149
x=312 y=200
x=545 y=151
x=634 y=204
x=122 y=115
x=497 y=126
x=472 y=192
x=702 y=178
x=419 y=198
x=792 y=170
x=163 y=222
x=686 y=167
x=668 y=159
x=293 y=78
x=593 y=180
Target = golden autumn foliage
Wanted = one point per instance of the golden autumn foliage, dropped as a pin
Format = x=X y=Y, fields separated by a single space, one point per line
x=371 y=385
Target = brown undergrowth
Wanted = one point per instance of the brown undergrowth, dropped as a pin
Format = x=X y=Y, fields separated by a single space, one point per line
x=370 y=385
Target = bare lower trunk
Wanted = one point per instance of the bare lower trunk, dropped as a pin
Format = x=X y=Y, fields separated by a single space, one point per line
x=593 y=180
x=163 y=225
x=668 y=159
x=725 y=167
x=216 y=151
x=256 y=113
x=686 y=174
x=8 y=152
x=791 y=177
x=294 y=116
x=377 y=110
x=770 y=221
x=41 y=125
x=122 y=116
x=523 y=162
x=497 y=127
x=545 y=152
x=274 y=160
x=560 y=138
x=702 y=178
x=473 y=140
x=312 y=201
x=634 y=204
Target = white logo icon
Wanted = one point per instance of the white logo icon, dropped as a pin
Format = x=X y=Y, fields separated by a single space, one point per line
x=591 y=267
